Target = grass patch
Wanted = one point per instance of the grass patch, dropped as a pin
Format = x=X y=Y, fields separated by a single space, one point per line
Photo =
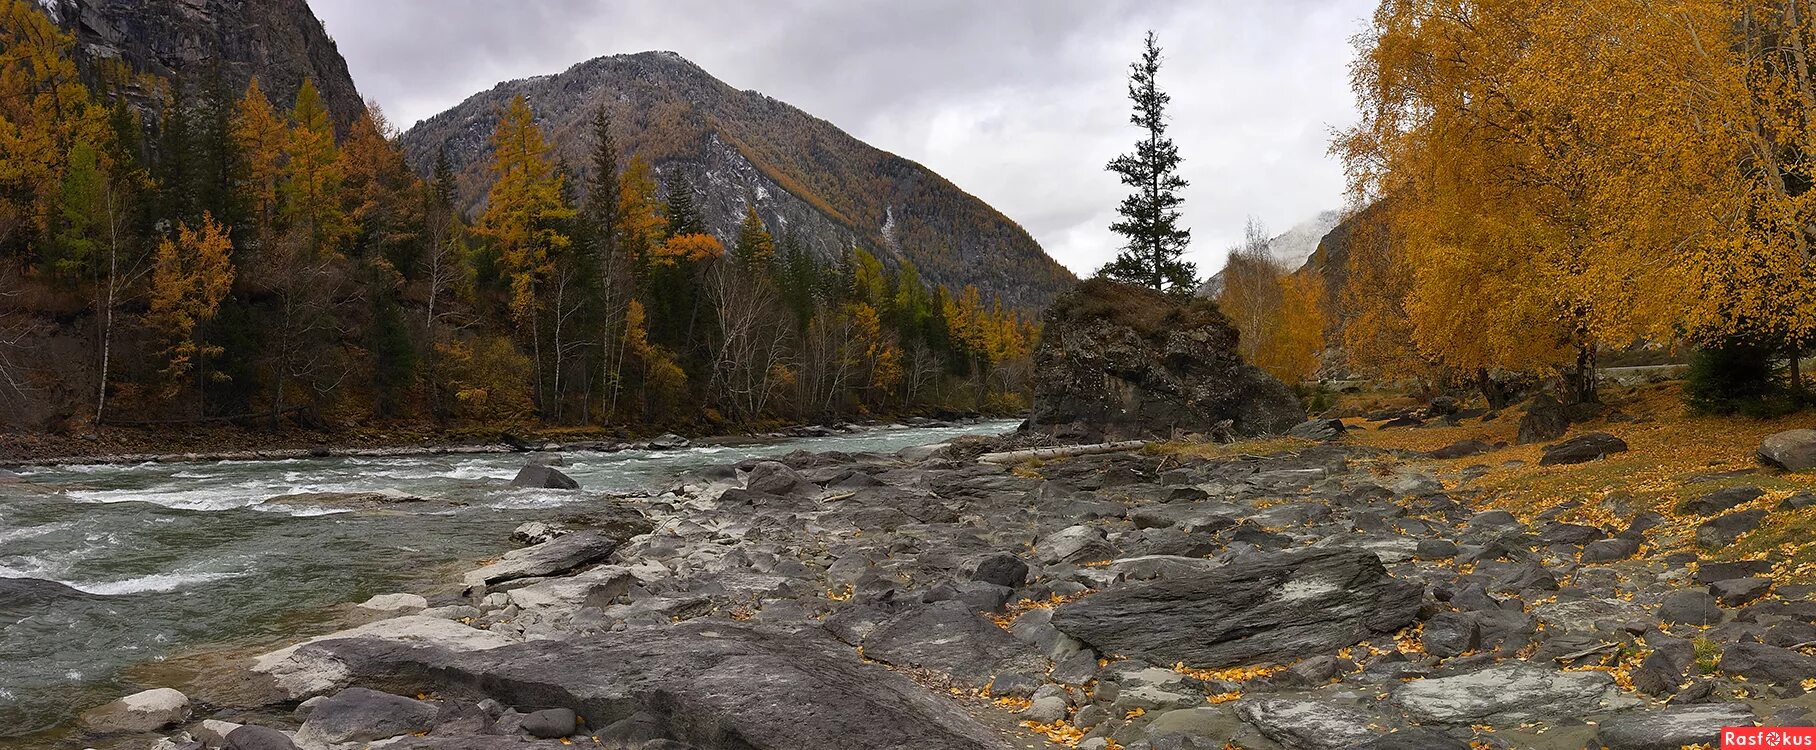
x=1263 y=446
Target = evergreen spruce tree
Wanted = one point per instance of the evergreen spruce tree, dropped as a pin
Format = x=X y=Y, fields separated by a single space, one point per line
x=1153 y=255
x=683 y=215
x=602 y=191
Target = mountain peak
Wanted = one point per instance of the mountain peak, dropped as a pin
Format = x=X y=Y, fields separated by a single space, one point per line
x=739 y=148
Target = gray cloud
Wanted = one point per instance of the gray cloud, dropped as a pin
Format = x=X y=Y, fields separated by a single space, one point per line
x=1020 y=102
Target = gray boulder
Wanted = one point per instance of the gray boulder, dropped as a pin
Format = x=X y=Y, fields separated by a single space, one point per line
x=146 y=711
x=254 y=737
x=552 y=723
x=1002 y=570
x=1737 y=591
x=1610 y=550
x=714 y=684
x=1510 y=693
x=544 y=477
x=1306 y=724
x=1673 y=727
x=1321 y=430
x=1545 y=420
x=1582 y=449
x=1792 y=450
x=1720 y=500
x=1720 y=532
x=1689 y=607
x=1265 y=607
x=563 y=554
x=1770 y=664
x=361 y=715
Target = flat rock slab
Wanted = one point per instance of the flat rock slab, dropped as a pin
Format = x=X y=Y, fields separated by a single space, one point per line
x=951 y=639
x=1673 y=727
x=303 y=670
x=139 y=712
x=1510 y=693
x=563 y=554
x=1308 y=724
x=1268 y=607
x=711 y=684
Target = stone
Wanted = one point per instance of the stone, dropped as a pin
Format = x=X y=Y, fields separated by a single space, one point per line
x=712 y=683
x=146 y=711
x=254 y=737
x=395 y=604
x=1545 y=420
x=1722 y=531
x=1610 y=550
x=1689 y=607
x=306 y=669
x=361 y=715
x=669 y=442
x=1510 y=693
x=949 y=638
x=544 y=477
x=1461 y=449
x=1074 y=544
x=1738 y=591
x=1791 y=450
x=1321 y=430
x=1569 y=533
x=1435 y=549
x=563 y=554
x=1309 y=724
x=551 y=723
x=1417 y=738
x=1770 y=664
x=536 y=532
x=1710 y=571
x=213 y=732
x=1449 y=634
x=1673 y=727
x=1582 y=448
x=775 y=478
x=1720 y=500
x=1002 y=570
x=1262 y=607
x=1126 y=362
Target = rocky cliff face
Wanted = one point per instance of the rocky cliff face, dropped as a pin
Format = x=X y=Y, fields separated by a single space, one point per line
x=803 y=174
x=279 y=41
x=1120 y=362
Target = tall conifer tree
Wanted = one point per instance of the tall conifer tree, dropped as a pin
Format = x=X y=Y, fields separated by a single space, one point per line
x=1153 y=255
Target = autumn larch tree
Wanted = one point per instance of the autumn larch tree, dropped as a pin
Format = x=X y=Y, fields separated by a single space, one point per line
x=1154 y=253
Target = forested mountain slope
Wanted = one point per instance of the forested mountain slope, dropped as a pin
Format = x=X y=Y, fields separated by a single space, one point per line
x=803 y=174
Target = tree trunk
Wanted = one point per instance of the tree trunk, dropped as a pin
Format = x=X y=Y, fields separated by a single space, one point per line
x=1796 y=354
x=1583 y=378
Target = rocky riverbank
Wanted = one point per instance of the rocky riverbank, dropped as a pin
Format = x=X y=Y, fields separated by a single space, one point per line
x=1308 y=596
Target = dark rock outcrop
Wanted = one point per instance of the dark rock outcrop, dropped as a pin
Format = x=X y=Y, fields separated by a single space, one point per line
x=1545 y=419
x=1582 y=449
x=712 y=684
x=1125 y=362
x=278 y=41
x=1271 y=607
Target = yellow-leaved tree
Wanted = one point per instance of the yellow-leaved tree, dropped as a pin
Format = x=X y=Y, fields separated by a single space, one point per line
x=45 y=110
x=190 y=276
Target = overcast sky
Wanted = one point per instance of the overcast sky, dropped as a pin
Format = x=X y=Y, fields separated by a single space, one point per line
x=1020 y=102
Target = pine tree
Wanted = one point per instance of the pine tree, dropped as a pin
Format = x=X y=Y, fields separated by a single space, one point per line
x=1156 y=242
x=683 y=216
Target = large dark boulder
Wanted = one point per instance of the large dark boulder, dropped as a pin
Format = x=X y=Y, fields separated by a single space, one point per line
x=1582 y=449
x=1125 y=362
x=711 y=684
x=1261 y=608
x=1546 y=419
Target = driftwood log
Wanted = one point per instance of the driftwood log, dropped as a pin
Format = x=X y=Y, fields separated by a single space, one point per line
x=1064 y=451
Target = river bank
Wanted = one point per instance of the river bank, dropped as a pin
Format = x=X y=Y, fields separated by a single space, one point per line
x=166 y=558
x=1266 y=595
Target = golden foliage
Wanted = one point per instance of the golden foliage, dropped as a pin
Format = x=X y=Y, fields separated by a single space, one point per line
x=259 y=137
x=523 y=210
x=190 y=276
x=687 y=248
x=44 y=111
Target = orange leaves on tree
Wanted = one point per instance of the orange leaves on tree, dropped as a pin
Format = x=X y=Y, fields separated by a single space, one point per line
x=687 y=248
x=260 y=138
x=525 y=207
x=190 y=276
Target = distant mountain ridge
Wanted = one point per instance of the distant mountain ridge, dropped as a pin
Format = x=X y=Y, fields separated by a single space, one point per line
x=804 y=175
x=1294 y=248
